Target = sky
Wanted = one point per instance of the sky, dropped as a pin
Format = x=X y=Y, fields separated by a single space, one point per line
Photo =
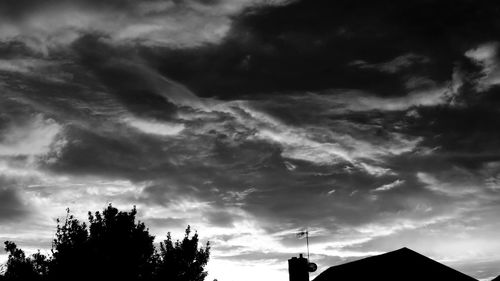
x=373 y=124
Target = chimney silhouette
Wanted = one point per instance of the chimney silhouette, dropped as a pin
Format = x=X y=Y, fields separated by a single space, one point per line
x=298 y=269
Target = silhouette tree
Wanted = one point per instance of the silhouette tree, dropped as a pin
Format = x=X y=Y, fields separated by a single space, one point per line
x=121 y=248
x=182 y=260
x=70 y=252
x=21 y=267
x=112 y=246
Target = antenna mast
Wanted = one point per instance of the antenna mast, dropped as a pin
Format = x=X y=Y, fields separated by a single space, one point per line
x=307 y=242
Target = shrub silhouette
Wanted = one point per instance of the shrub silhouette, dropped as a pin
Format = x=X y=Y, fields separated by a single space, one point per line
x=20 y=267
x=112 y=246
x=182 y=261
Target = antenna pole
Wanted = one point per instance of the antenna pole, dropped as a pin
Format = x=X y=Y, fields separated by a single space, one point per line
x=307 y=241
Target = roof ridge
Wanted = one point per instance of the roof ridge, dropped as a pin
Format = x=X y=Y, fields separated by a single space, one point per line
x=401 y=257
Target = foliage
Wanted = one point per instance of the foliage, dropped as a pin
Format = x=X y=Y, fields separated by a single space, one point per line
x=182 y=261
x=21 y=267
x=112 y=246
x=69 y=249
x=120 y=247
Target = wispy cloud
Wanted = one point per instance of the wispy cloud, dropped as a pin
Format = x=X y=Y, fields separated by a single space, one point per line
x=156 y=23
x=486 y=56
x=155 y=127
x=395 y=65
x=389 y=186
x=31 y=137
x=251 y=124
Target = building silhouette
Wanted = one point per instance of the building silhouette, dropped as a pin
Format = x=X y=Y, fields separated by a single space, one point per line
x=299 y=268
x=402 y=264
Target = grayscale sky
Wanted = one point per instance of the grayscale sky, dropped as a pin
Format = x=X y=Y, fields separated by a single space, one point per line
x=375 y=124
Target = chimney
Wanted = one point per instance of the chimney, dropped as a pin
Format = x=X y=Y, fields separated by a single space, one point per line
x=298 y=269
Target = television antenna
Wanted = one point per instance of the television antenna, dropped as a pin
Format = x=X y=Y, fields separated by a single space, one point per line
x=311 y=267
x=305 y=233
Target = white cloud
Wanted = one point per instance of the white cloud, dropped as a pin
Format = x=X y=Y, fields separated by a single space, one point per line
x=156 y=22
x=297 y=145
x=240 y=195
x=358 y=101
x=486 y=56
x=20 y=65
x=389 y=186
x=322 y=145
x=453 y=189
x=337 y=101
x=162 y=128
x=32 y=138
x=39 y=68
x=375 y=171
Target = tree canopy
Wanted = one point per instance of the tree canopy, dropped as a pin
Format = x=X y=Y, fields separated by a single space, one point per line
x=111 y=246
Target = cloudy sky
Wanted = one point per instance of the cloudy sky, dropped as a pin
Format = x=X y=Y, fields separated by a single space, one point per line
x=375 y=124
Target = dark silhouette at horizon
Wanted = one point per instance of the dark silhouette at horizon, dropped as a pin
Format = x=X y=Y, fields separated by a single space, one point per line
x=112 y=246
x=402 y=264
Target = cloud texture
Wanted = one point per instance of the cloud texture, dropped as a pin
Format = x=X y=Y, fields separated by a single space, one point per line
x=374 y=125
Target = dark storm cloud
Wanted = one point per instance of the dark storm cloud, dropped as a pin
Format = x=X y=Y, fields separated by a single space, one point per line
x=367 y=122
x=125 y=79
x=465 y=136
x=236 y=155
x=277 y=172
x=311 y=45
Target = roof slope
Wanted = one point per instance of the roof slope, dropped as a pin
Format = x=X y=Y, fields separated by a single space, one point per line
x=403 y=264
